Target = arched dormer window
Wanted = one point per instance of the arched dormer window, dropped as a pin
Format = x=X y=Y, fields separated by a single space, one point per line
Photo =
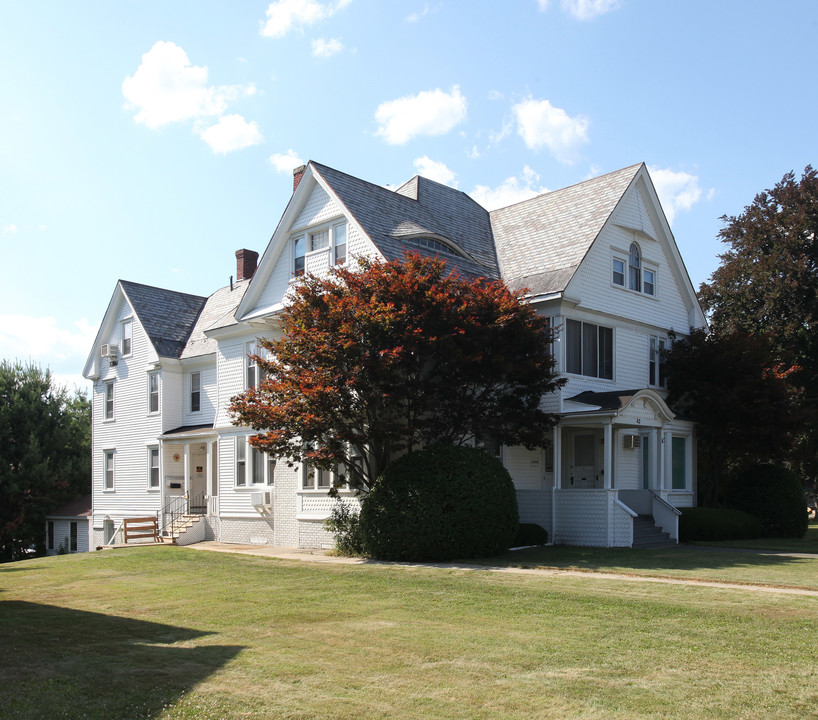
x=432 y=244
x=635 y=268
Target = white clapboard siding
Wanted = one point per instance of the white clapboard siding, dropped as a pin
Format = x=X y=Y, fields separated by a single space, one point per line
x=129 y=433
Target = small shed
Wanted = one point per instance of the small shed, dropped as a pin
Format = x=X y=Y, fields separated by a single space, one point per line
x=68 y=528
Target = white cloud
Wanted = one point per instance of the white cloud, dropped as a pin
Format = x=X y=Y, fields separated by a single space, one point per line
x=587 y=9
x=415 y=16
x=40 y=340
x=232 y=132
x=543 y=5
x=677 y=190
x=322 y=47
x=286 y=162
x=286 y=15
x=435 y=170
x=10 y=229
x=166 y=88
x=474 y=153
x=431 y=112
x=540 y=124
x=511 y=190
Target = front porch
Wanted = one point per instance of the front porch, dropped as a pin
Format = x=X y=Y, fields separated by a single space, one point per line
x=621 y=464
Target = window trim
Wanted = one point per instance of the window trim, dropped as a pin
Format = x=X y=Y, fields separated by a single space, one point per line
x=153 y=375
x=108 y=455
x=153 y=451
x=197 y=393
x=126 y=323
x=621 y=273
x=108 y=402
x=297 y=272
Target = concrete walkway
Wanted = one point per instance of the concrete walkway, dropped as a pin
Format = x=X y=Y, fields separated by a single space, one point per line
x=322 y=556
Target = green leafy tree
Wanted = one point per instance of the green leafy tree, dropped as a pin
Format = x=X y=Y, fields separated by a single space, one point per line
x=391 y=356
x=45 y=453
x=745 y=411
x=768 y=283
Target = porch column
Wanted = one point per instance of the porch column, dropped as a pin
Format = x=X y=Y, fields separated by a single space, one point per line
x=655 y=441
x=187 y=470
x=209 y=470
x=661 y=463
x=558 y=457
x=607 y=455
x=665 y=456
x=162 y=500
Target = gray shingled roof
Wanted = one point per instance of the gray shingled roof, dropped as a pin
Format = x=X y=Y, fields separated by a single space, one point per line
x=168 y=317
x=387 y=216
x=541 y=242
x=218 y=312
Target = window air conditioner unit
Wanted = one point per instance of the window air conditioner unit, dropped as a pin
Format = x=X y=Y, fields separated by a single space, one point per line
x=261 y=499
x=631 y=442
x=108 y=350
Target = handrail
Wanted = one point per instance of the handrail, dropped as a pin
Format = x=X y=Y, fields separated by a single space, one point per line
x=664 y=502
x=179 y=506
x=630 y=512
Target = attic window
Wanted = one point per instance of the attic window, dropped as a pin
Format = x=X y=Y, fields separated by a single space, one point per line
x=432 y=244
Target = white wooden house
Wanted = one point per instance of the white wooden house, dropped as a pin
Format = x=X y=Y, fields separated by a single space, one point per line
x=598 y=258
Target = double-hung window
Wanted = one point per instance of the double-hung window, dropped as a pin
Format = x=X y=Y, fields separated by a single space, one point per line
x=252 y=468
x=109 y=400
x=153 y=468
x=108 y=470
x=649 y=285
x=153 y=392
x=299 y=255
x=656 y=362
x=339 y=239
x=253 y=373
x=195 y=392
x=127 y=337
x=589 y=349
x=618 y=271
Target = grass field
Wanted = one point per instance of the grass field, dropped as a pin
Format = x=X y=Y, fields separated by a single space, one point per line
x=179 y=633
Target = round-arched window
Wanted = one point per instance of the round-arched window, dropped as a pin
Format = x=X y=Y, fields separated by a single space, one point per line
x=635 y=268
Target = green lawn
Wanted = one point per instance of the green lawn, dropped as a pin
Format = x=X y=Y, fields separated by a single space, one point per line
x=179 y=633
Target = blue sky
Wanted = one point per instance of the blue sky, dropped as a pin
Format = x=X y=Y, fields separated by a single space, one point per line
x=149 y=141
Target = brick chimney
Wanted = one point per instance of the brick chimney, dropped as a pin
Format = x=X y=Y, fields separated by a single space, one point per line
x=297 y=173
x=246 y=263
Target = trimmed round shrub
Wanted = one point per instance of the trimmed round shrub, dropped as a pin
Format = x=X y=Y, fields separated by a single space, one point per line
x=773 y=494
x=440 y=503
x=705 y=523
x=530 y=534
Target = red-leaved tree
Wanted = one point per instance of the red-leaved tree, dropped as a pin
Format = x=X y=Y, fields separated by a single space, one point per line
x=387 y=357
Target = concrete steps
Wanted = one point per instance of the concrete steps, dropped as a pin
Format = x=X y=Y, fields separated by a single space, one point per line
x=647 y=535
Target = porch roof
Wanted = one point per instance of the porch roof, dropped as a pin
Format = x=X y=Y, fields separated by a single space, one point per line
x=611 y=400
x=185 y=431
x=618 y=403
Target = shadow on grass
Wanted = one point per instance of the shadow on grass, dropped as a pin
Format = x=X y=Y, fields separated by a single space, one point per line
x=58 y=662
x=679 y=558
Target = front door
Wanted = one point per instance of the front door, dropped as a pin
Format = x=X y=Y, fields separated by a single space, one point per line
x=583 y=471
